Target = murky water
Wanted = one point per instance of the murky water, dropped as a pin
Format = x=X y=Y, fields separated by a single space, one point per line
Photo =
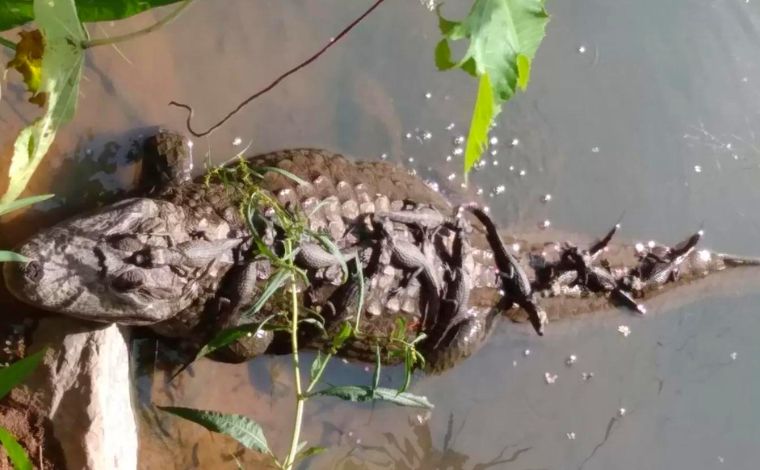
x=646 y=108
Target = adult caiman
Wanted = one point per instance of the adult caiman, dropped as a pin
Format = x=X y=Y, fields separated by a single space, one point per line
x=180 y=257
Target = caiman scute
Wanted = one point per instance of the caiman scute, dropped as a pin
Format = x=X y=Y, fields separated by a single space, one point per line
x=177 y=258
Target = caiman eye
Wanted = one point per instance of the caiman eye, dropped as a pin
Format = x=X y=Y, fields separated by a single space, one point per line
x=128 y=280
x=141 y=258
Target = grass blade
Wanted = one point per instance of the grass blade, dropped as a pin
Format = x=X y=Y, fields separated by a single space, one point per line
x=15 y=373
x=19 y=203
x=15 y=452
x=11 y=257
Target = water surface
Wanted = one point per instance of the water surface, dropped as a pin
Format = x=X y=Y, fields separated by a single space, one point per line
x=656 y=119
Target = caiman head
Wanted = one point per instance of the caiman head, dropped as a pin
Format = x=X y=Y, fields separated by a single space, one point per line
x=134 y=262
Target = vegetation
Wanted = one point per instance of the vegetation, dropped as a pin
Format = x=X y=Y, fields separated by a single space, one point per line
x=244 y=180
x=10 y=377
x=503 y=38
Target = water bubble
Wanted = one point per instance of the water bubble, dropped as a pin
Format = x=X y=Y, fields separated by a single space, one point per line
x=697 y=168
x=494 y=140
x=427 y=135
x=624 y=330
x=408 y=135
x=450 y=126
x=595 y=149
x=479 y=191
x=494 y=152
x=571 y=436
x=545 y=224
x=571 y=359
x=582 y=49
x=734 y=355
x=458 y=151
x=622 y=412
x=459 y=140
x=516 y=247
x=495 y=163
x=452 y=176
x=547 y=197
x=523 y=172
x=511 y=168
x=448 y=158
x=550 y=378
x=410 y=159
x=237 y=141
x=515 y=142
x=428 y=95
x=384 y=156
x=526 y=353
x=587 y=376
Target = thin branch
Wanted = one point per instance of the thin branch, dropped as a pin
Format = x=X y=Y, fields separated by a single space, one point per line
x=124 y=37
x=277 y=81
x=7 y=43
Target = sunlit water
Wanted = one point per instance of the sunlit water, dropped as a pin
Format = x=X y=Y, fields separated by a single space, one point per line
x=646 y=108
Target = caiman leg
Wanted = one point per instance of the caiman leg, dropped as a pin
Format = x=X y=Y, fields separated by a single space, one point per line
x=514 y=279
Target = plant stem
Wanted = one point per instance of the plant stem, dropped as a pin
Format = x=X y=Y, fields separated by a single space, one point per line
x=140 y=32
x=300 y=398
x=7 y=43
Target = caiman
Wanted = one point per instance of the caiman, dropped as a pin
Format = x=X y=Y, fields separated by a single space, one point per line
x=179 y=258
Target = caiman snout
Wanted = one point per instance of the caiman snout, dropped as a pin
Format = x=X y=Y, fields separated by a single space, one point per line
x=32 y=271
x=87 y=266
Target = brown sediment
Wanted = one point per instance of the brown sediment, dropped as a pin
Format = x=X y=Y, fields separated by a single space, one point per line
x=34 y=432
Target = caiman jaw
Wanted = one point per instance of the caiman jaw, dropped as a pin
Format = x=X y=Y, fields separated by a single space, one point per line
x=94 y=266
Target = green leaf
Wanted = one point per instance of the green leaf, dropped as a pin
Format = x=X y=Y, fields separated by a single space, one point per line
x=311 y=451
x=11 y=257
x=344 y=333
x=523 y=71
x=358 y=393
x=15 y=452
x=318 y=365
x=241 y=428
x=285 y=173
x=27 y=201
x=376 y=374
x=443 y=56
x=230 y=335
x=503 y=38
x=62 y=62
x=15 y=373
x=485 y=110
x=18 y=12
x=273 y=285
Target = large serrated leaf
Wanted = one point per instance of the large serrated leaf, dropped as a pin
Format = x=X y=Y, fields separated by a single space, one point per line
x=503 y=38
x=15 y=373
x=18 y=12
x=62 y=63
x=16 y=453
x=241 y=428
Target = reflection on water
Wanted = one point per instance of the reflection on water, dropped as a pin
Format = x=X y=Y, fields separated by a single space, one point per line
x=646 y=107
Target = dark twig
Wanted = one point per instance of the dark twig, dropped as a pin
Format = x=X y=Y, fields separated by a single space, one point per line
x=276 y=82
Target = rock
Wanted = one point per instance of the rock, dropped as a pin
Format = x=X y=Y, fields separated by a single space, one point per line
x=83 y=387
